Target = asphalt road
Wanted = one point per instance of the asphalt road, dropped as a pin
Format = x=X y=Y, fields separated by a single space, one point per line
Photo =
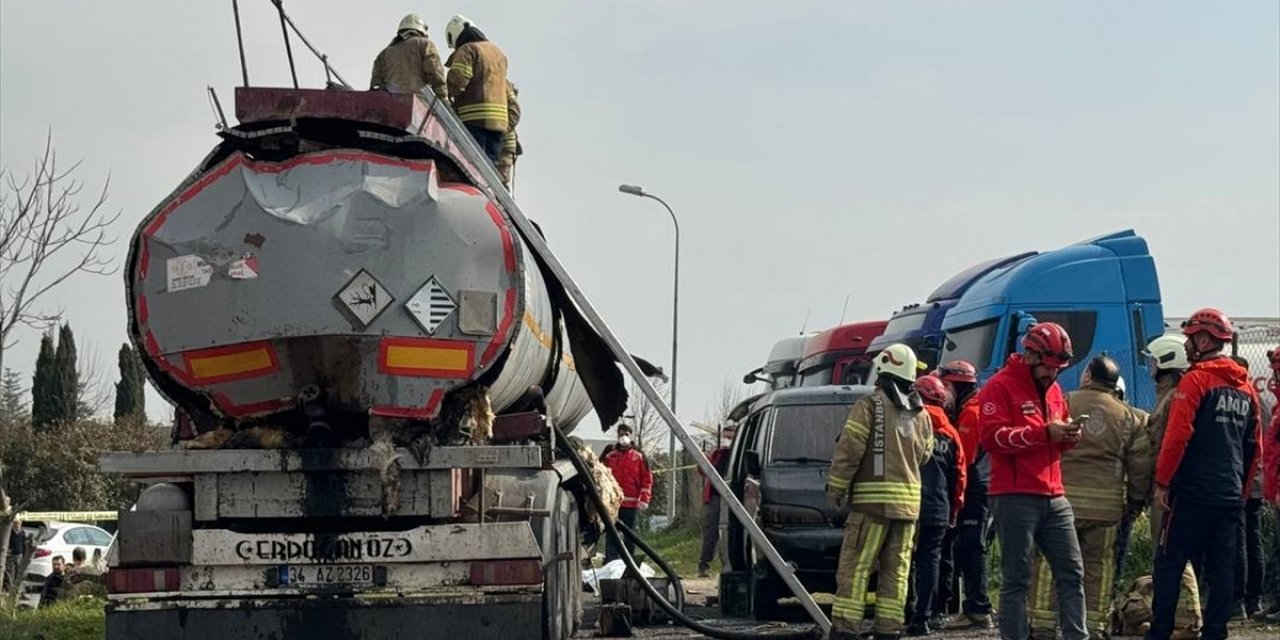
x=698 y=590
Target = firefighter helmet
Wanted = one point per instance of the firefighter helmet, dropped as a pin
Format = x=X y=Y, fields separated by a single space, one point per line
x=412 y=22
x=457 y=24
x=897 y=360
x=1051 y=341
x=1168 y=353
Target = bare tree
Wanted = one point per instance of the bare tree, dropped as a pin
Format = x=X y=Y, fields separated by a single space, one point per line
x=46 y=236
x=650 y=429
x=96 y=382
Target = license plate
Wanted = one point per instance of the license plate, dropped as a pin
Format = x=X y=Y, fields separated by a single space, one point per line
x=326 y=574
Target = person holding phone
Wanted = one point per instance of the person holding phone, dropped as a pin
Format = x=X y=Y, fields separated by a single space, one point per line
x=1106 y=476
x=1024 y=427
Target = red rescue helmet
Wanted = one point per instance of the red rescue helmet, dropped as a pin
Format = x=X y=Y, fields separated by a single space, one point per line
x=1051 y=341
x=932 y=391
x=958 y=371
x=1211 y=321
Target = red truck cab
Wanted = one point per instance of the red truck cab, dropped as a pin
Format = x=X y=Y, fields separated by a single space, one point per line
x=839 y=355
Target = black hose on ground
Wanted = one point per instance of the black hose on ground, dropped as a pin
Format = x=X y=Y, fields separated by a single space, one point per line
x=611 y=532
x=658 y=560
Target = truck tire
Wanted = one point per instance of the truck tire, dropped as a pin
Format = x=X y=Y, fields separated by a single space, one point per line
x=559 y=604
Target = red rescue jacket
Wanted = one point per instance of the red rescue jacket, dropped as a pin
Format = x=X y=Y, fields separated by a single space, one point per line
x=943 y=429
x=1013 y=422
x=1271 y=460
x=1210 y=450
x=718 y=459
x=967 y=425
x=631 y=470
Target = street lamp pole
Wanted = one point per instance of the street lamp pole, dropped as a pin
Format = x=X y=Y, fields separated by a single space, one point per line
x=675 y=340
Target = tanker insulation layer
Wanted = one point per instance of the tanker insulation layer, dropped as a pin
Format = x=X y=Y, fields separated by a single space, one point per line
x=337 y=257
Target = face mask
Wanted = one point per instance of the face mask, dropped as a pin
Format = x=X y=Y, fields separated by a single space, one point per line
x=624 y=441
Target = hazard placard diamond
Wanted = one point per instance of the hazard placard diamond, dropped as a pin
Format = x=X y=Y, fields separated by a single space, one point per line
x=364 y=297
x=431 y=305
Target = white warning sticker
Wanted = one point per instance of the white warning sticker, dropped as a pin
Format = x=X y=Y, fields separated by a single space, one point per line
x=188 y=272
x=244 y=269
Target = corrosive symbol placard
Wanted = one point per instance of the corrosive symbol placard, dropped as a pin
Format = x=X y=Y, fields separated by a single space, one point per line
x=364 y=298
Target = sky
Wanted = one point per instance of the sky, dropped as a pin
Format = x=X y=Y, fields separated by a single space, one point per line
x=812 y=151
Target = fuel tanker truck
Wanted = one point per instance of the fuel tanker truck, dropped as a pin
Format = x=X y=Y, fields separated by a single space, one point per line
x=371 y=370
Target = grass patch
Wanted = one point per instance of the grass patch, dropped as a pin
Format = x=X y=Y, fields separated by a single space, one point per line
x=81 y=619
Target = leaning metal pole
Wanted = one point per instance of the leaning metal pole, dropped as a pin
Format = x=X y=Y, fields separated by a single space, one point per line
x=535 y=241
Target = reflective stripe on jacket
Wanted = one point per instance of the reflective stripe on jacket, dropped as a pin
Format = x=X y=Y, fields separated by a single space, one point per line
x=478 y=85
x=876 y=462
x=1013 y=417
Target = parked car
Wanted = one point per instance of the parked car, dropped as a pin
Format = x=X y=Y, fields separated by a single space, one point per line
x=53 y=539
x=778 y=467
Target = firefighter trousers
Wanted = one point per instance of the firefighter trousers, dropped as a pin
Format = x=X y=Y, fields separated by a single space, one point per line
x=1097 y=546
x=871 y=541
x=1187 y=617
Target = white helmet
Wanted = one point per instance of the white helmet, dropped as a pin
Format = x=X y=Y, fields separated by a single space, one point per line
x=897 y=360
x=457 y=24
x=1120 y=387
x=412 y=22
x=1168 y=353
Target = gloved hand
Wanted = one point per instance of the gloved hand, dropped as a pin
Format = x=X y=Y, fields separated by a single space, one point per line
x=642 y=506
x=837 y=499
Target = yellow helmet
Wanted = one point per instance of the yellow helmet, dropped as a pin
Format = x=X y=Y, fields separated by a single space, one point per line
x=897 y=360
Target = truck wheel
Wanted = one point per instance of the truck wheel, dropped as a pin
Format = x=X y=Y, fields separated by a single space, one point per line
x=557 y=597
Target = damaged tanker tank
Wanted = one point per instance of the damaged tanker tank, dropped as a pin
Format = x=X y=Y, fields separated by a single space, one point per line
x=334 y=264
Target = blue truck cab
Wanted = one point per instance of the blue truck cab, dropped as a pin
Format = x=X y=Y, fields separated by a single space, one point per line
x=919 y=325
x=1103 y=291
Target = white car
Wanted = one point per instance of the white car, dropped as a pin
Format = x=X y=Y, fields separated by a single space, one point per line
x=58 y=539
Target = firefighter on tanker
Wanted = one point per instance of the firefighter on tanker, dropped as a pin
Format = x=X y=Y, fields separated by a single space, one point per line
x=1203 y=475
x=942 y=495
x=478 y=85
x=1104 y=475
x=875 y=471
x=410 y=62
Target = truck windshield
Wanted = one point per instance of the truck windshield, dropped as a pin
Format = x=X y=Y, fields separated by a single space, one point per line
x=807 y=433
x=972 y=343
x=905 y=323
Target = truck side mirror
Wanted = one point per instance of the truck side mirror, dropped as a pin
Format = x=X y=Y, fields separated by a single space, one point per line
x=751 y=462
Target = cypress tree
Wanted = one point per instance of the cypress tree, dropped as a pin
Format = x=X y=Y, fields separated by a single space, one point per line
x=130 y=396
x=42 y=385
x=12 y=407
x=66 y=381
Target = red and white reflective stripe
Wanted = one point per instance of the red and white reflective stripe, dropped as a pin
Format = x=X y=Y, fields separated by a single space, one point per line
x=142 y=580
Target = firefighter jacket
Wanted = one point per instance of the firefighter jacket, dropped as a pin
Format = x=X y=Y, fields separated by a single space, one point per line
x=511 y=143
x=1271 y=459
x=408 y=65
x=1014 y=416
x=631 y=470
x=943 y=473
x=1165 y=386
x=1111 y=466
x=478 y=85
x=1210 y=448
x=876 y=463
